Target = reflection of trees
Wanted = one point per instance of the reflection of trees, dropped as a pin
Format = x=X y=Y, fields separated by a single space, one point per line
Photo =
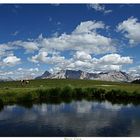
x=1 y=105
x=1 y=108
x=26 y=104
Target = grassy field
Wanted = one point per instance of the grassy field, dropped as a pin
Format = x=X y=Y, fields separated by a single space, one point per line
x=13 y=92
x=15 y=86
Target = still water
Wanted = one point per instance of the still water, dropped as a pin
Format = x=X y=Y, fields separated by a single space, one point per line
x=78 y=118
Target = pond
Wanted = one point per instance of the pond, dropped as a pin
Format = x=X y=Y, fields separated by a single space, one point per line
x=78 y=118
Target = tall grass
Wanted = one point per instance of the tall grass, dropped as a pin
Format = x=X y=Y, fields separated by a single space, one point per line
x=69 y=93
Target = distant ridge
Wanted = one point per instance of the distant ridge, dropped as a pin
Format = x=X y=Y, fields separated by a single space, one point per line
x=137 y=81
x=73 y=74
x=46 y=74
x=6 y=79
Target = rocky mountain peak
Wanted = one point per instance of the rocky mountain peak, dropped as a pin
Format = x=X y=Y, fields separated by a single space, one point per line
x=73 y=74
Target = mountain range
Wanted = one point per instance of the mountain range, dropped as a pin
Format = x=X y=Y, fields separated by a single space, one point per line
x=6 y=79
x=117 y=76
x=73 y=74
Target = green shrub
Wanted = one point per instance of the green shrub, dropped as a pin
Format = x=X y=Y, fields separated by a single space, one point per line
x=136 y=94
x=42 y=93
x=54 y=92
x=90 y=91
x=66 y=92
x=26 y=97
x=78 y=93
x=113 y=93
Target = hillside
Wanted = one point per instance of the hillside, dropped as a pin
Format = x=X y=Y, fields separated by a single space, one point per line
x=137 y=81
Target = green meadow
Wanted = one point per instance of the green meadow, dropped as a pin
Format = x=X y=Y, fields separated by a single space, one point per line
x=37 y=90
x=15 y=86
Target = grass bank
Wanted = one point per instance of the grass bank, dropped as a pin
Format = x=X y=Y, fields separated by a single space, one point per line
x=67 y=94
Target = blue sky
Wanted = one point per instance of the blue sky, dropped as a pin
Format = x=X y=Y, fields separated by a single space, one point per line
x=54 y=37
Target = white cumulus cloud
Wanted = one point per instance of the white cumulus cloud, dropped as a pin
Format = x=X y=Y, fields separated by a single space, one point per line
x=134 y=71
x=40 y=57
x=131 y=30
x=29 y=46
x=5 y=50
x=83 y=56
x=84 y=61
x=11 y=60
x=115 y=59
x=83 y=38
x=89 y=26
x=100 y=8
